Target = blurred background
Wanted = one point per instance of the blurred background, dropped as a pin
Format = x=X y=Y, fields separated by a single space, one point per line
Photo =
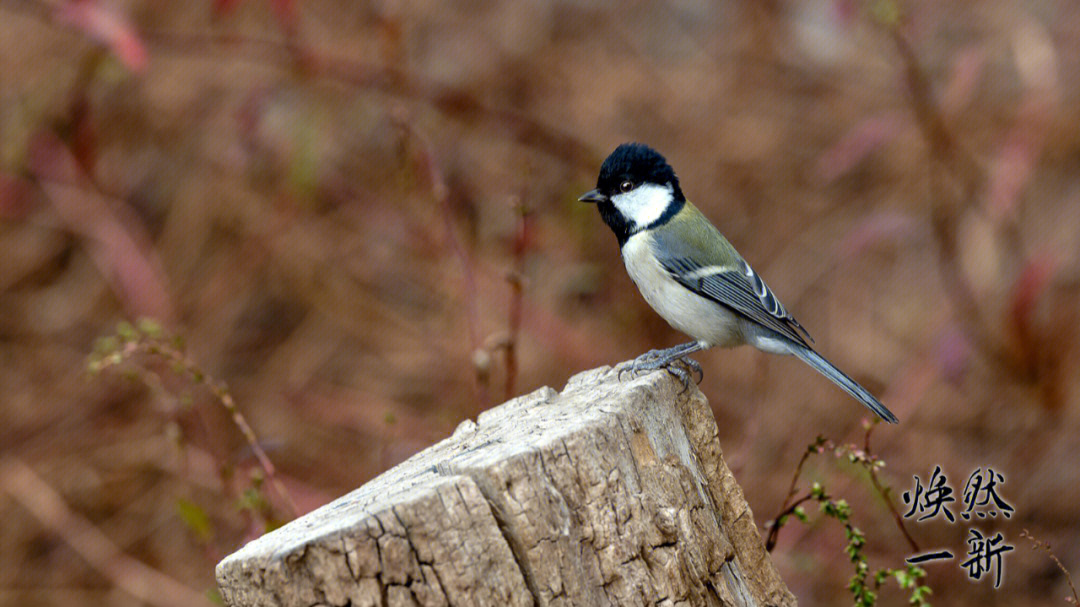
x=357 y=224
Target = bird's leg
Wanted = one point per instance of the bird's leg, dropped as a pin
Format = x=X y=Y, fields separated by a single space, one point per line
x=673 y=360
x=657 y=359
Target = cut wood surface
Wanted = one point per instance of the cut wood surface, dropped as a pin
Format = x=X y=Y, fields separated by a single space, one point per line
x=608 y=493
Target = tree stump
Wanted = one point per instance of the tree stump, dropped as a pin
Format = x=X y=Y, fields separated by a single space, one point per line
x=608 y=493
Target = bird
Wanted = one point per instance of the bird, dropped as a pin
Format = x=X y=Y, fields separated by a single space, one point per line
x=693 y=277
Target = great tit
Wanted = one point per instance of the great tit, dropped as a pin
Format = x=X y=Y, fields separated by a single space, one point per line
x=692 y=276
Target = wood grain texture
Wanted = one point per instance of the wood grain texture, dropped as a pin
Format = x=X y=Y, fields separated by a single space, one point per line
x=608 y=493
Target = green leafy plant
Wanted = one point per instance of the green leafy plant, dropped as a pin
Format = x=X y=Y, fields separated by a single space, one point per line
x=131 y=349
x=864 y=585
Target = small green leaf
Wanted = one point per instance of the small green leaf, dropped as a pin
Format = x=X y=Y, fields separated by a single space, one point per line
x=252 y=500
x=885 y=12
x=126 y=331
x=214 y=596
x=195 y=518
x=149 y=327
x=800 y=513
x=106 y=345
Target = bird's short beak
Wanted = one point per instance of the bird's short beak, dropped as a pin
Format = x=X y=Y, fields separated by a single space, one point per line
x=593 y=196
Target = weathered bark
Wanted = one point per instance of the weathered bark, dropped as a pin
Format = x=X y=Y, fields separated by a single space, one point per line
x=609 y=493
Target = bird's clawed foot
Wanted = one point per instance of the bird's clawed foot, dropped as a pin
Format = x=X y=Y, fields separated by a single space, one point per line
x=672 y=360
x=685 y=368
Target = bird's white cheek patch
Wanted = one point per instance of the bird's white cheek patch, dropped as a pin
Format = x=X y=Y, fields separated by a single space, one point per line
x=644 y=204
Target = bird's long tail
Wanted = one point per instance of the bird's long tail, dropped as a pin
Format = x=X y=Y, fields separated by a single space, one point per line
x=849 y=385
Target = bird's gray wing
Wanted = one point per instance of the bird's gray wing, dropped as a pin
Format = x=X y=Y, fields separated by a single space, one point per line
x=738 y=287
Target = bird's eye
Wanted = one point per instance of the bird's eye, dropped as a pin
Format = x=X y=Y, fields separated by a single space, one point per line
x=626 y=186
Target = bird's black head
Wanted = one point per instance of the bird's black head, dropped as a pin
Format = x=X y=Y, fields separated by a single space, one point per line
x=636 y=189
x=638 y=164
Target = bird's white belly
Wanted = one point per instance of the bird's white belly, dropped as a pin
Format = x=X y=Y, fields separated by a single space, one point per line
x=698 y=317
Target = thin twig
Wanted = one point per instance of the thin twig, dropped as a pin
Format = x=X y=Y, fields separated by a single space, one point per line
x=814 y=447
x=441 y=192
x=516 y=278
x=1046 y=547
x=785 y=508
x=184 y=365
x=886 y=491
x=132 y=576
x=774 y=528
